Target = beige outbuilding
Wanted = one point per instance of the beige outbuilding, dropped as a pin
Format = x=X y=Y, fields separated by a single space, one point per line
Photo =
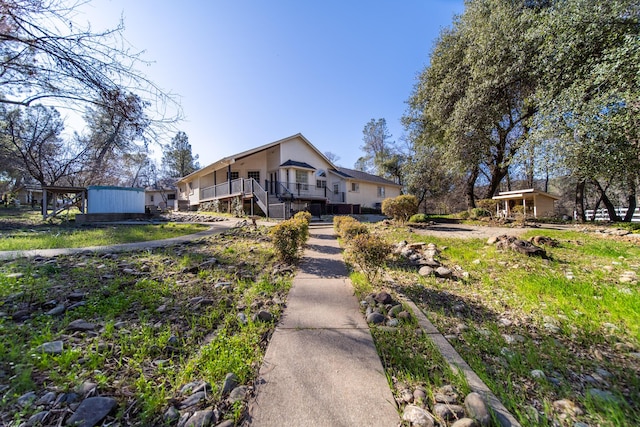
x=535 y=203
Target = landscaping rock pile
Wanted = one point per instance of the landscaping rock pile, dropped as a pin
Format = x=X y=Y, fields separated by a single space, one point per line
x=424 y=256
x=505 y=242
x=445 y=408
x=191 y=217
x=382 y=309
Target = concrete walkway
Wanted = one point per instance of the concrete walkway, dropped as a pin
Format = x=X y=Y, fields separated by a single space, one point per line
x=321 y=367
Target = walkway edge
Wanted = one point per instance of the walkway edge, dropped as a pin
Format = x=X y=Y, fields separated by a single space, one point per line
x=457 y=363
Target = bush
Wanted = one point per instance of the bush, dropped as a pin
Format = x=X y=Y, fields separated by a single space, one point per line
x=419 y=218
x=289 y=237
x=400 y=208
x=480 y=213
x=303 y=215
x=348 y=227
x=368 y=253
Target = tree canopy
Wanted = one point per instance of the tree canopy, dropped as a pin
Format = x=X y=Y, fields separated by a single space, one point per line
x=513 y=81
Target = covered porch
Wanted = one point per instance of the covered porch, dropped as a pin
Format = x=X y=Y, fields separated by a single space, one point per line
x=535 y=203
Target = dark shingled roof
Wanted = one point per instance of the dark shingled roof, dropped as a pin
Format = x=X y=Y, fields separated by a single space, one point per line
x=362 y=176
x=295 y=164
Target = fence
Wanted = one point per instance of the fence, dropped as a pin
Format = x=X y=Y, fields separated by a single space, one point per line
x=603 y=215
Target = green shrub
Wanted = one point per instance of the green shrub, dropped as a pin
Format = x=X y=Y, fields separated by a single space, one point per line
x=289 y=237
x=419 y=218
x=480 y=213
x=368 y=253
x=303 y=215
x=400 y=208
x=348 y=227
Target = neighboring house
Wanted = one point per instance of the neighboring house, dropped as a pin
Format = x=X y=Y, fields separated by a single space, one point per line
x=535 y=203
x=283 y=177
x=161 y=196
x=28 y=194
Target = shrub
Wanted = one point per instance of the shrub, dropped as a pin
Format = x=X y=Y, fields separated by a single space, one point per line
x=289 y=237
x=400 y=208
x=303 y=215
x=348 y=227
x=368 y=253
x=419 y=218
x=480 y=213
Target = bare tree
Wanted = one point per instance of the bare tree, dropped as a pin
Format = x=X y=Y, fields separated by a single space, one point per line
x=46 y=55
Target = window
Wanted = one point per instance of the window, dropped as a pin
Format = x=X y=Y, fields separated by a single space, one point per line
x=355 y=187
x=302 y=177
x=321 y=183
x=171 y=196
x=190 y=187
x=234 y=175
x=151 y=198
x=254 y=175
x=302 y=180
x=380 y=191
x=336 y=188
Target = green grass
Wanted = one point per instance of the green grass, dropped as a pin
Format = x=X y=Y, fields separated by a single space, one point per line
x=577 y=290
x=153 y=333
x=63 y=237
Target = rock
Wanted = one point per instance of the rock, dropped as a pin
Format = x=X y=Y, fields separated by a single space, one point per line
x=91 y=411
x=538 y=374
x=37 y=419
x=426 y=271
x=27 y=399
x=404 y=315
x=53 y=347
x=602 y=395
x=171 y=415
x=444 y=272
x=448 y=412
x=14 y=275
x=406 y=395
x=81 y=325
x=492 y=240
x=192 y=400
x=46 y=399
x=237 y=394
x=76 y=296
x=383 y=298
x=242 y=318
x=393 y=323
x=21 y=315
x=86 y=388
x=393 y=312
x=466 y=422
x=263 y=316
x=230 y=382
x=520 y=246
x=58 y=309
x=375 y=318
x=225 y=423
x=446 y=398
x=477 y=408
x=419 y=394
x=202 y=418
x=417 y=416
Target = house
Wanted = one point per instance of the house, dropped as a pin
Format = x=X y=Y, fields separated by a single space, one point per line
x=161 y=196
x=282 y=177
x=535 y=203
x=27 y=194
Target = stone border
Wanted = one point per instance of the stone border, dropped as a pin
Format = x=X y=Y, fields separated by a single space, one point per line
x=457 y=363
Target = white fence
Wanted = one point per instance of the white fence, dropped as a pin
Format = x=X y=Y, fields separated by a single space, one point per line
x=603 y=215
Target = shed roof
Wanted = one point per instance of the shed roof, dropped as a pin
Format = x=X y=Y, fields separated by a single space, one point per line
x=523 y=194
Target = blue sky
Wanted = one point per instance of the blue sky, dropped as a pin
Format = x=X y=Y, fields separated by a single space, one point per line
x=249 y=72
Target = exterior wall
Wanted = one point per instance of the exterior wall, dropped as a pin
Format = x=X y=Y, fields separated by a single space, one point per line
x=544 y=207
x=367 y=194
x=158 y=199
x=298 y=150
x=115 y=200
x=254 y=163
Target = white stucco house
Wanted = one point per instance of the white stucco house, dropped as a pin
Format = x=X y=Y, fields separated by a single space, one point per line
x=282 y=177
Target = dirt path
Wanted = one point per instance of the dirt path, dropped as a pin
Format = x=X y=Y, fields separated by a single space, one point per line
x=465 y=231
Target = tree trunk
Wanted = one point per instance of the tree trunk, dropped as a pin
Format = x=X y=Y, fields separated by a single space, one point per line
x=613 y=216
x=631 y=199
x=580 y=216
x=470 y=186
